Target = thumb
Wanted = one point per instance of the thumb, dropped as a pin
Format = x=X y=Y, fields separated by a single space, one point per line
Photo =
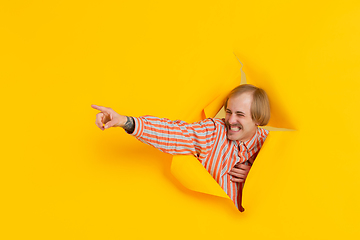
x=110 y=123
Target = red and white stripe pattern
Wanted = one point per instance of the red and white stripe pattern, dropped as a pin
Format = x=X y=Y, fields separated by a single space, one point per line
x=206 y=140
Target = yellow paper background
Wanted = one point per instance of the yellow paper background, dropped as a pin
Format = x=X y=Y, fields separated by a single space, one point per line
x=62 y=178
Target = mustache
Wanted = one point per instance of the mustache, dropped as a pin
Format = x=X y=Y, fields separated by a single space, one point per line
x=233 y=125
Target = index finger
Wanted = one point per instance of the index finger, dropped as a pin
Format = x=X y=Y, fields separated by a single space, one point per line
x=100 y=108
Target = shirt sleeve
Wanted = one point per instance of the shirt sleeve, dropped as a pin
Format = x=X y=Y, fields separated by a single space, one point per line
x=176 y=137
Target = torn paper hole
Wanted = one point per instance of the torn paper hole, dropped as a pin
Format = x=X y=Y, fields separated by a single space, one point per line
x=190 y=172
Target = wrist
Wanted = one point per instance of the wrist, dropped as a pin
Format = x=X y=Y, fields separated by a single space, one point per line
x=122 y=121
x=129 y=125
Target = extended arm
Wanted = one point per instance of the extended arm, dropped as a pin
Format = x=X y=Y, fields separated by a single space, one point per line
x=173 y=137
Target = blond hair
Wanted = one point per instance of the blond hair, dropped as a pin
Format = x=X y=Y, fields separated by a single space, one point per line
x=260 y=105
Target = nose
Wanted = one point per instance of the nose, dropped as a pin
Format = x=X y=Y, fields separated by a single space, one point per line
x=232 y=119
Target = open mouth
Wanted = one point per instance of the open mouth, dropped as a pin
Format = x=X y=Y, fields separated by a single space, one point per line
x=234 y=128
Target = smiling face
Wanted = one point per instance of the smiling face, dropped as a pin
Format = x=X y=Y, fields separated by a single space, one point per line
x=239 y=123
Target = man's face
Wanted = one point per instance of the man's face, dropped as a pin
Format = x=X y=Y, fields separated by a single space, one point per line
x=239 y=123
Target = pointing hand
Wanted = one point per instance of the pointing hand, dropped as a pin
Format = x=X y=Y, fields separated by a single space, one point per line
x=107 y=118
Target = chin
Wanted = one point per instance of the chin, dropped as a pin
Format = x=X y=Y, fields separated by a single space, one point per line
x=233 y=138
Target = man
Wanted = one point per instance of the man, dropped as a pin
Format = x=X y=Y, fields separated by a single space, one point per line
x=221 y=145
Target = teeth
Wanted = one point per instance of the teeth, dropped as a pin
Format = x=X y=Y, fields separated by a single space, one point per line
x=234 y=128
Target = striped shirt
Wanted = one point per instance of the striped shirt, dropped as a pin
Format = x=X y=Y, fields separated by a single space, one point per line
x=206 y=140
